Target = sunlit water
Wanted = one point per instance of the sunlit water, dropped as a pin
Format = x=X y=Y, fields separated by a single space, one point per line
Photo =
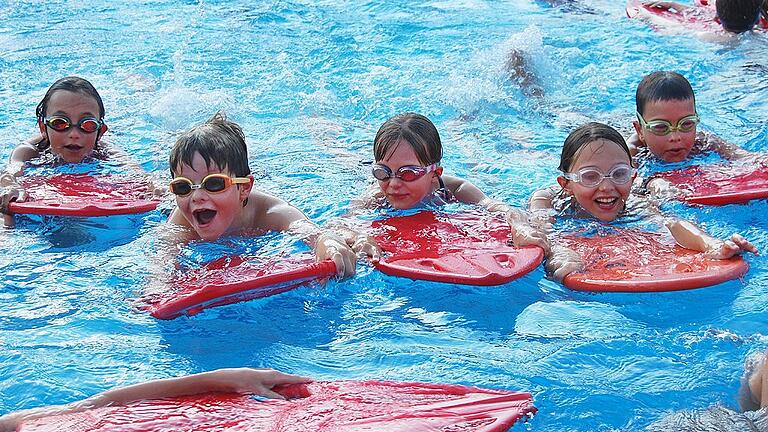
x=310 y=82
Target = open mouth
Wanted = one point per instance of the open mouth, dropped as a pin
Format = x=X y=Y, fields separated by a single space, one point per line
x=73 y=147
x=204 y=216
x=606 y=203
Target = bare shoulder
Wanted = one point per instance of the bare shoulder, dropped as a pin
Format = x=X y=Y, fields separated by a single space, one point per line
x=268 y=212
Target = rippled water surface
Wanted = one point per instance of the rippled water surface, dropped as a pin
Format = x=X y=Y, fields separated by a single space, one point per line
x=310 y=82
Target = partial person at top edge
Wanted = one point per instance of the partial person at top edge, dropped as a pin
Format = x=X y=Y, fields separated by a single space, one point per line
x=735 y=16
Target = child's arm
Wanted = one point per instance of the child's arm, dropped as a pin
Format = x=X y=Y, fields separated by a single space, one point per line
x=240 y=380
x=725 y=149
x=562 y=261
x=10 y=189
x=666 y=5
x=691 y=237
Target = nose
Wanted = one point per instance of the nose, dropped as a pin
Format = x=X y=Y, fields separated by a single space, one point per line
x=199 y=194
x=605 y=184
x=674 y=135
x=394 y=183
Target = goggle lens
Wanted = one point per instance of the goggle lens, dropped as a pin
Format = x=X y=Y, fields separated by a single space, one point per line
x=213 y=183
x=663 y=127
x=590 y=177
x=61 y=124
x=407 y=173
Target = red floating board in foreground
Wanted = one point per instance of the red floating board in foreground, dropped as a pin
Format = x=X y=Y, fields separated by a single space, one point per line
x=720 y=184
x=341 y=406
x=634 y=261
x=235 y=279
x=84 y=195
x=458 y=248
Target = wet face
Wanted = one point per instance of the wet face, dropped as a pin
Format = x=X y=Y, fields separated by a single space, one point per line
x=607 y=199
x=676 y=146
x=72 y=145
x=401 y=194
x=210 y=214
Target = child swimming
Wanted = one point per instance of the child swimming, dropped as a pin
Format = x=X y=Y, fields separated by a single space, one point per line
x=596 y=183
x=235 y=380
x=407 y=153
x=666 y=122
x=215 y=195
x=70 y=118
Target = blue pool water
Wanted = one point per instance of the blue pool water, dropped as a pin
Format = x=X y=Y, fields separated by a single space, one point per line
x=310 y=82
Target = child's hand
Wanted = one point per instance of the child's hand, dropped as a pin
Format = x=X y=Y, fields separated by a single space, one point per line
x=562 y=262
x=10 y=193
x=331 y=246
x=526 y=235
x=729 y=248
x=365 y=245
x=663 y=189
x=261 y=381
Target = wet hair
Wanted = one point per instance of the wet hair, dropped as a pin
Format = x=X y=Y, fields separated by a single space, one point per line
x=662 y=86
x=738 y=16
x=72 y=84
x=218 y=141
x=414 y=129
x=583 y=135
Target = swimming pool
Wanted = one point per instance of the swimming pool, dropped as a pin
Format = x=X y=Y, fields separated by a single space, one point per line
x=310 y=82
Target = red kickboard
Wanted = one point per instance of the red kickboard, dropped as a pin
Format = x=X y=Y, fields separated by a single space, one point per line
x=458 y=248
x=340 y=406
x=720 y=184
x=635 y=261
x=235 y=279
x=84 y=195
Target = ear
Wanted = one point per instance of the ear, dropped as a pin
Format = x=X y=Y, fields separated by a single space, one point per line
x=103 y=129
x=639 y=131
x=439 y=171
x=563 y=182
x=41 y=126
x=245 y=189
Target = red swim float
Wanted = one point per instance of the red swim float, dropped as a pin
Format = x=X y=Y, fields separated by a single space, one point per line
x=634 y=261
x=341 y=406
x=458 y=248
x=720 y=184
x=84 y=195
x=235 y=279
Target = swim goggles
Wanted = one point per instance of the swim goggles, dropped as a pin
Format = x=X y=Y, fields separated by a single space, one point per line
x=663 y=127
x=591 y=177
x=406 y=173
x=213 y=183
x=88 y=125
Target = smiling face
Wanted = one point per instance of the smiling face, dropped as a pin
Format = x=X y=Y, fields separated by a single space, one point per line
x=72 y=145
x=401 y=194
x=210 y=214
x=676 y=146
x=607 y=199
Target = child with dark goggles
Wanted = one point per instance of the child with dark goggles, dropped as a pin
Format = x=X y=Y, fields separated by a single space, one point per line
x=213 y=183
x=406 y=173
x=663 y=127
x=88 y=125
x=591 y=177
